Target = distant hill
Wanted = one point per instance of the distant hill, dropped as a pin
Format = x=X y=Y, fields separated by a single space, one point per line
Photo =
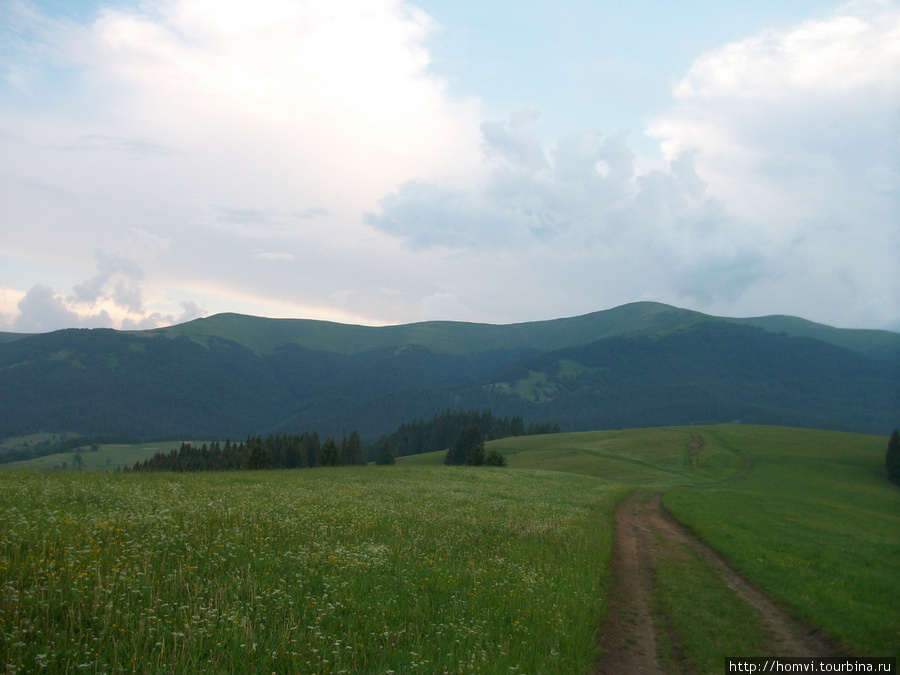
x=643 y=364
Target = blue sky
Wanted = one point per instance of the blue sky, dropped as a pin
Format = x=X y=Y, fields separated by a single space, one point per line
x=377 y=161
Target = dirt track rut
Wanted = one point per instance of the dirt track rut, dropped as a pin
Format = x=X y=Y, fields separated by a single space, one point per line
x=629 y=642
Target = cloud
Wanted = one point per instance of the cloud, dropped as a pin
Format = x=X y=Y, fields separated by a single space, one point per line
x=273 y=255
x=217 y=128
x=782 y=171
x=190 y=311
x=293 y=159
x=797 y=123
x=41 y=310
x=126 y=292
x=525 y=198
x=443 y=307
x=723 y=277
x=257 y=223
x=133 y=147
x=515 y=141
x=584 y=196
x=795 y=134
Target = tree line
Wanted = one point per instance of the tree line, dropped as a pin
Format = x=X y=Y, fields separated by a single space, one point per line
x=295 y=451
x=469 y=449
x=281 y=451
x=443 y=430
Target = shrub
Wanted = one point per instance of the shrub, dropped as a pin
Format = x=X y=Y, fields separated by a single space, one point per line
x=494 y=458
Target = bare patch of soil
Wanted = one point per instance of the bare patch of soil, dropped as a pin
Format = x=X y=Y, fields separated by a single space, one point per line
x=630 y=642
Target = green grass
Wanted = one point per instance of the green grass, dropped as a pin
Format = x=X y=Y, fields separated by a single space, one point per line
x=426 y=568
x=30 y=441
x=633 y=457
x=709 y=622
x=815 y=524
x=368 y=570
x=106 y=458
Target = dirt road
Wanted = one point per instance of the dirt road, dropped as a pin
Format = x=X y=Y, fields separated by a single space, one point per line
x=630 y=642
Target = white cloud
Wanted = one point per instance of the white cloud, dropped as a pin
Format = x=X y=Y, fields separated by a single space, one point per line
x=586 y=199
x=795 y=124
x=524 y=199
x=796 y=133
x=42 y=310
x=443 y=307
x=781 y=191
x=330 y=97
x=296 y=159
x=215 y=128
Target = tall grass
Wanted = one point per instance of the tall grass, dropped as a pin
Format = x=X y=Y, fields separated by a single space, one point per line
x=398 y=570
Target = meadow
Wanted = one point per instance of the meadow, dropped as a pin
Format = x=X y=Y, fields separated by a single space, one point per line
x=107 y=457
x=422 y=568
x=815 y=524
x=807 y=516
x=387 y=570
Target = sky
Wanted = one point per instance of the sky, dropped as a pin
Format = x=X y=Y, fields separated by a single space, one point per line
x=383 y=162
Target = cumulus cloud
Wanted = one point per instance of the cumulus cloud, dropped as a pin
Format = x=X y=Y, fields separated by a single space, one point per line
x=583 y=197
x=290 y=158
x=525 y=198
x=516 y=141
x=782 y=177
x=796 y=133
x=190 y=311
x=796 y=123
x=218 y=127
x=127 y=290
x=41 y=310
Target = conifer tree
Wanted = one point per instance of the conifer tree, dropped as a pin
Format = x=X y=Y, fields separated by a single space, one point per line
x=355 y=453
x=468 y=442
x=386 y=456
x=892 y=459
x=330 y=455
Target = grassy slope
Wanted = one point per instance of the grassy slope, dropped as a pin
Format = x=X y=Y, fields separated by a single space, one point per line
x=641 y=318
x=814 y=522
x=873 y=342
x=452 y=337
x=634 y=457
x=106 y=458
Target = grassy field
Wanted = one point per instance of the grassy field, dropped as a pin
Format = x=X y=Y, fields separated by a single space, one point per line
x=421 y=568
x=656 y=458
x=814 y=524
x=373 y=570
x=105 y=458
x=806 y=515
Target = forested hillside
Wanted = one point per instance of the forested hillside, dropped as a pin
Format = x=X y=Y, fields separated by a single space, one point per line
x=638 y=365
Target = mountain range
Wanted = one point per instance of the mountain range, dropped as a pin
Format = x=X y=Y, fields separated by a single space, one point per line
x=642 y=364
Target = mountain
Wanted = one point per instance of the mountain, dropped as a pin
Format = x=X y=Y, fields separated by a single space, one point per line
x=643 y=364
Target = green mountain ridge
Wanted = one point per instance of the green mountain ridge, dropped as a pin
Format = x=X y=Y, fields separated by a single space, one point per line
x=264 y=335
x=643 y=364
